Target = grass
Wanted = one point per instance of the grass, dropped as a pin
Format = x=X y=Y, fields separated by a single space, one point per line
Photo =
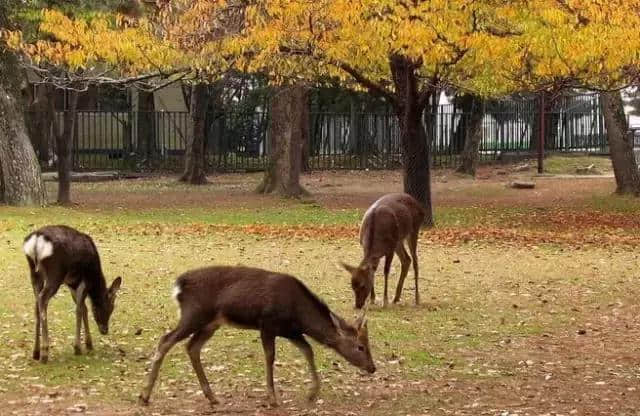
x=567 y=164
x=476 y=297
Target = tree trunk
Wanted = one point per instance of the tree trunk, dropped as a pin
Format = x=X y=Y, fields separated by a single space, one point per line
x=146 y=126
x=64 y=144
x=473 y=137
x=39 y=119
x=415 y=141
x=620 y=141
x=548 y=127
x=305 y=133
x=286 y=127
x=20 y=178
x=465 y=103
x=194 y=171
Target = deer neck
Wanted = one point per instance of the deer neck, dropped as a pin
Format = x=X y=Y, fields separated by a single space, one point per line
x=97 y=291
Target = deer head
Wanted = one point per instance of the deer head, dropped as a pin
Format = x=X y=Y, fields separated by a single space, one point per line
x=353 y=342
x=361 y=281
x=102 y=312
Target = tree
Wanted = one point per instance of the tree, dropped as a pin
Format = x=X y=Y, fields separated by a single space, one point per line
x=620 y=140
x=20 y=178
x=473 y=136
x=404 y=52
x=194 y=172
x=74 y=54
x=287 y=128
x=594 y=46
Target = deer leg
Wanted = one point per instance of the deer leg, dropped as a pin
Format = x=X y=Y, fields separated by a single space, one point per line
x=43 y=302
x=405 y=260
x=306 y=350
x=413 y=246
x=87 y=335
x=193 y=349
x=387 y=268
x=78 y=296
x=373 y=285
x=269 y=346
x=167 y=341
x=37 y=284
x=36 y=345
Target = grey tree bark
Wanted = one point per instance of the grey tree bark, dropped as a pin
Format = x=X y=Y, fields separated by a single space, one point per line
x=414 y=138
x=20 y=177
x=620 y=140
x=287 y=128
x=194 y=171
x=146 y=126
x=473 y=136
x=64 y=145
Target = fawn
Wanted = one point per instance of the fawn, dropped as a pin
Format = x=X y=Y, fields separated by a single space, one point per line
x=387 y=223
x=276 y=304
x=59 y=254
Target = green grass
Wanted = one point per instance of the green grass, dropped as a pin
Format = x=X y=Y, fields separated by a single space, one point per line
x=563 y=164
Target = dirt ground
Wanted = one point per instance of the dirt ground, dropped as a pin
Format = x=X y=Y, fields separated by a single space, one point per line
x=347 y=189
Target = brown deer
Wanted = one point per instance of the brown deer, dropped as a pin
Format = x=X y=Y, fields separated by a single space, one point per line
x=59 y=254
x=276 y=304
x=387 y=223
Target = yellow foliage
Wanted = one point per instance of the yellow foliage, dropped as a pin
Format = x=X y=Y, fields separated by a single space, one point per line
x=490 y=47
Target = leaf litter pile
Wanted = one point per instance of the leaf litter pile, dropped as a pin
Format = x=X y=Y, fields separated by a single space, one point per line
x=571 y=229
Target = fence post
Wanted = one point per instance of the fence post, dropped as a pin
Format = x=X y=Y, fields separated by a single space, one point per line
x=541 y=137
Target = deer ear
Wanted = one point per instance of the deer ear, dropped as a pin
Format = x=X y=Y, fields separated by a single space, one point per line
x=348 y=268
x=115 y=286
x=336 y=324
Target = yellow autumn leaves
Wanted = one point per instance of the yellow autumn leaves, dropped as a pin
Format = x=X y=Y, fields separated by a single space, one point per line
x=491 y=47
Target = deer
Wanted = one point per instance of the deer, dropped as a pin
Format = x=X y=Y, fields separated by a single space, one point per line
x=386 y=224
x=58 y=254
x=275 y=304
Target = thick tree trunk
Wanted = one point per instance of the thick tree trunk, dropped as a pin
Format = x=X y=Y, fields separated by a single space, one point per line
x=20 y=178
x=415 y=141
x=620 y=141
x=39 y=118
x=305 y=133
x=286 y=127
x=473 y=137
x=64 y=144
x=194 y=171
x=146 y=126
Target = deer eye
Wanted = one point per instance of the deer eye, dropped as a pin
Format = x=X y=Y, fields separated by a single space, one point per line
x=361 y=348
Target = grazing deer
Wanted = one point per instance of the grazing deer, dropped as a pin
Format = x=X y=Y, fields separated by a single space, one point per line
x=387 y=223
x=59 y=254
x=277 y=305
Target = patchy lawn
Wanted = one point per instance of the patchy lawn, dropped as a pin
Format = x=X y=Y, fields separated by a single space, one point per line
x=529 y=308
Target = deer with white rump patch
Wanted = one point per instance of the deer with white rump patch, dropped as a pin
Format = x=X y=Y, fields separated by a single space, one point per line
x=387 y=223
x=276 y=304
x=59 y=254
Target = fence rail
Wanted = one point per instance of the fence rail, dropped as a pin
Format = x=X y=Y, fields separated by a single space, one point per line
x=157 y=140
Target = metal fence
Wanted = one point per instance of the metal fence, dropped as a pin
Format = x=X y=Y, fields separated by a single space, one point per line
x=240 y=142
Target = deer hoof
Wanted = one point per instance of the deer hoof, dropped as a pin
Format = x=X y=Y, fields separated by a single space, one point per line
x=89 y=346
x=273 y=402
x=142 y=401
x=44 y=358
x=36 y=355
x=77 y=350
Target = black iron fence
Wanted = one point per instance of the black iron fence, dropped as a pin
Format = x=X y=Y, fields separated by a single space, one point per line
x=238 y=142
